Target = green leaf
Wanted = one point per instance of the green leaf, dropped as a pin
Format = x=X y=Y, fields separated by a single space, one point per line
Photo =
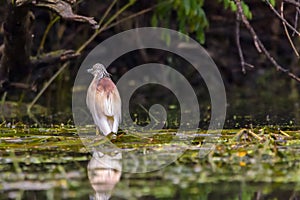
x=200 y=3
x=201 y=36
x=187 y=6
x=273 y=2
x=154 y=21
x=205 y=22
x=202 y=17
x=226 y=3
x=194 y=6
x=177 y=3
x=246 y=10
x=200 y=12
x=132 y=1
x=182 y=24
x=233 y=6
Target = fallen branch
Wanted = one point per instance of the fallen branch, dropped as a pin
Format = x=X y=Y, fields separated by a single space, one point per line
x=53 y=58
x=62 y=8
x=254 y=135
x=23 y=86
x=23 y=2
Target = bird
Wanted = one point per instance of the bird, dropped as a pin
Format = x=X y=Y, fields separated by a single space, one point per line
x=103 y=100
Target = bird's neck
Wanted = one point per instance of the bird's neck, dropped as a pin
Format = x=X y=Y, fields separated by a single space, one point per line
x=101 y=76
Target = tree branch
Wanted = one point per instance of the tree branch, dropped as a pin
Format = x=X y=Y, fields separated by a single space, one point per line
x=23 y=86
x=259 y=45
x=1 y=49
x=296 y=19
x=295 y=3
x=15 y=62
x=282 y=19
x=62 y=8
x=287 y=32
x=54 y=57
x=238 y=43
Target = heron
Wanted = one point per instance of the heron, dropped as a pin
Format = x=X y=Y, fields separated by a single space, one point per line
x=103 y=100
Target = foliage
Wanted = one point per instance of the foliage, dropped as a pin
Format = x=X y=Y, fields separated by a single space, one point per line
x=231 y=4
x=273 y=2
x=190 y=16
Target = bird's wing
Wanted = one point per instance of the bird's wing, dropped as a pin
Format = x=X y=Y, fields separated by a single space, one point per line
x=108 y=103
x=108 y=100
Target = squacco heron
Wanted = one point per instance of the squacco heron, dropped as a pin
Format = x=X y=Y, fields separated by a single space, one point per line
x=103 y=100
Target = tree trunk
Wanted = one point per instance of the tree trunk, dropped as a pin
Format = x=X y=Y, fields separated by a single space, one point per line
x=15 y=61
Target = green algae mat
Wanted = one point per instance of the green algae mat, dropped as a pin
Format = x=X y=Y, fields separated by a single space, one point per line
x=52 y=163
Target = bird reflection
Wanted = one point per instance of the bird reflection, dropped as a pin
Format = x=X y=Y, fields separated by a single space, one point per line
x=104 y=172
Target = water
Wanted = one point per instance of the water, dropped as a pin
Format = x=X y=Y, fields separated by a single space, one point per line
x=52 y=163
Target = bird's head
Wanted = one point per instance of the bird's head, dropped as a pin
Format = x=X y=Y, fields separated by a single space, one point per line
x=99 y=71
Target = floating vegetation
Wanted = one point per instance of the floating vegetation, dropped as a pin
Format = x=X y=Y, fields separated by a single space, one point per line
x=54 y=161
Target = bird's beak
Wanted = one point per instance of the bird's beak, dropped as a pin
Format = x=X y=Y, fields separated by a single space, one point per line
x=90 y=70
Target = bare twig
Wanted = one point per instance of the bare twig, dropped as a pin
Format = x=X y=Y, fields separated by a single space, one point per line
x=259 y=45
x=130 y=17
x=53 y=21
x=238 y=43
x=22 y=86
x=107 y=12
x=286 y=31
x=45 y=87
x=295 y=3
x=254 y=135
x=284 y=133
x=101 y=29
x=282 y=19
x=1 y=49
x=296 y=19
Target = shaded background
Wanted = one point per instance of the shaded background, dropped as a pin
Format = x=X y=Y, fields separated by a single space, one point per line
x=261 y=96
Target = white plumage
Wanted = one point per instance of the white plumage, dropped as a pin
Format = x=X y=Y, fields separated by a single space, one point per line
x=103 y=100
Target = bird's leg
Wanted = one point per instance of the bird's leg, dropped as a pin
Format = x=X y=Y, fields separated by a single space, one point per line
x=112 y=137
x=103 y=125
x=115 y=125
x=97 y=130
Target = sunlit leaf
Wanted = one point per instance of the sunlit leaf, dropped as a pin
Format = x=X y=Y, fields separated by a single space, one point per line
x=154 y=21
x=246 y=10
x=187 y=6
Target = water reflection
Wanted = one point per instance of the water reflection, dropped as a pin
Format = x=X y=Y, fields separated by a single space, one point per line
x=104 y=172
x=141 y=153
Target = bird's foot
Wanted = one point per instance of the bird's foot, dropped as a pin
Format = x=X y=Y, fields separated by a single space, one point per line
x=111 y=136
x=115 y=136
